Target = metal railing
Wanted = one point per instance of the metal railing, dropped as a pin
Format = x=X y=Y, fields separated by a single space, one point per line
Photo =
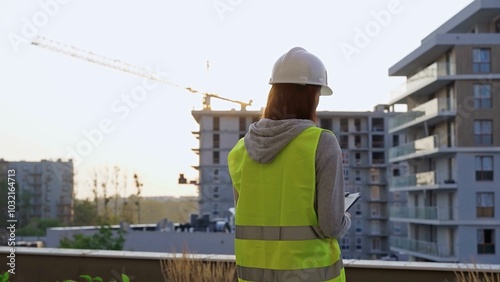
x=423 y=78
x=428 y=109
x=423 y=247
x=423 y=213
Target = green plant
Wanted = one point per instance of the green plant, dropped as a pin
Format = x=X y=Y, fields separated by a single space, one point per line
x=4 y=277
x=88 y=278
x=102 y=240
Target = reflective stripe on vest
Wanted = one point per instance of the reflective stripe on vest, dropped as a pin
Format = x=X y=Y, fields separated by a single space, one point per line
x=305 y=274
x=277 y=234
x=281 y=233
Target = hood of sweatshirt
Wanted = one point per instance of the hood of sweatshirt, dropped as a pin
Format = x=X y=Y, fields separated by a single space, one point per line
x=266 y=137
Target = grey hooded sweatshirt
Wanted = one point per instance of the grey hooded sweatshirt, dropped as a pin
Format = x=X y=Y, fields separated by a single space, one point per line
x=266 y=138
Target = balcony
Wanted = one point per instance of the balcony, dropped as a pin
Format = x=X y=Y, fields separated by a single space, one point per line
x=428 y=80
x=422 y=214
x=421 y=181
x=427 y=146
x=36 y=264
x=423 y=249
x=432 y=112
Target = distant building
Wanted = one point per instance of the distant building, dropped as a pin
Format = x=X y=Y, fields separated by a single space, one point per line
x=44 y=189
x=365 y=143
x=453 y=141
x=219 y=132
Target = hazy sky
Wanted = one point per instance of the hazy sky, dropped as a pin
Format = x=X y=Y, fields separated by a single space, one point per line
x=52 y=103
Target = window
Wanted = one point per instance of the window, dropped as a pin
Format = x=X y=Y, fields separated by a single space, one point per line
x=357 y=157
x=395 y=140
x=357 y=177
x=497 y=26
x=346 y=244
x=357 y=124
x=485 y=205
x=482 y=96
x=344 y=127
x=378 y=141
x=484 y=168
x=215 y=140
x=376 y=244
x=359 y=210
x=215 y=209
x=345 y=158
x=396 y=227
x=375 y=209
x=359 y=244
x=378 y=157
x=396 y=172
x=344 y=141
x=216 y=189
x=216 y=157
x=243 y=124
x=357 y=141
x=359 y=227
x=346 y=174
x=325 y=123
x=481 y=60
x=378 y=124
x=483 y=132
x=375 y=227
x=216 y=123
x=375 y=192
x=486 y=241
x=396 y=196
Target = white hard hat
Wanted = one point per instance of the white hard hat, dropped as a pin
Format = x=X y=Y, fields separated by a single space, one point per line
x=300 y=67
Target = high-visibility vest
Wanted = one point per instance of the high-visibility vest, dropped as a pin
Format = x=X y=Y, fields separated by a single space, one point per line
x=277 y=236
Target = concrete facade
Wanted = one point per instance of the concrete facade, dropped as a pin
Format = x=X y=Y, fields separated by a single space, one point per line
x=453 y=141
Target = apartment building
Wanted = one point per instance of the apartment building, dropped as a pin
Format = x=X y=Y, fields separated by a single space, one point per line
x=44 y=189
x=452 y=126
x=364 y=141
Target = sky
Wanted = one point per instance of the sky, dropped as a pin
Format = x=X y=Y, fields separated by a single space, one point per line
x=53 y=104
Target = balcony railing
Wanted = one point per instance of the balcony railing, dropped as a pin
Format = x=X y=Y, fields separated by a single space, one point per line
x=428 y=178
x=423 y=112
x=422 y=247
x=422 y=213
x=424 y=144
x=424 y=78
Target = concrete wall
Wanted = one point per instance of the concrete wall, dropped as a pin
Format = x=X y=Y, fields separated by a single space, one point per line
x=57 y=265
x=466 y=113
x=467 y=243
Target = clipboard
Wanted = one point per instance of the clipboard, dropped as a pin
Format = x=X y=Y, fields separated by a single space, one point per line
x=350 y=199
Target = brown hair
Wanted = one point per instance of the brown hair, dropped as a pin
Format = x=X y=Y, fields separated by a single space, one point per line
x=291 y=101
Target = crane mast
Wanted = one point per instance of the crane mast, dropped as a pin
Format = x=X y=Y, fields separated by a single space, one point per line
x=78 y=53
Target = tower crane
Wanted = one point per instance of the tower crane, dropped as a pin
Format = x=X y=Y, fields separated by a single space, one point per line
x=69 y=50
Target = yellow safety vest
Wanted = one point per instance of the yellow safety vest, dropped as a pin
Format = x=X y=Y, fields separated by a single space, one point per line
x=277 y=236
